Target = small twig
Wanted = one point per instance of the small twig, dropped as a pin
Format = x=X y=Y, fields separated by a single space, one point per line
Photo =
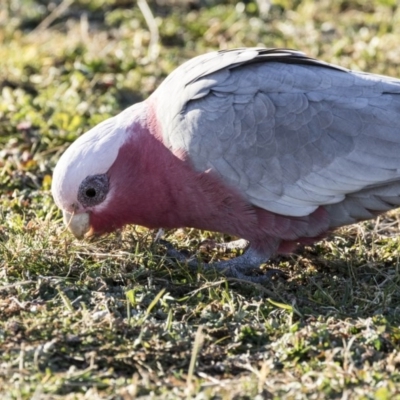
x=16 y=284
x=206 y=286
x=56 y=13
x=153 y=28
x=159 y=235
x=198 y=342
x=18 y=303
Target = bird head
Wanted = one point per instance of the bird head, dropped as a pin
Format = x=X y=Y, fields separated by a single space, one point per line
x=84 y=181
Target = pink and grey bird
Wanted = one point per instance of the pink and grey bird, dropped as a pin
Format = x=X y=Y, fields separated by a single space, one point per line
x=265 y=144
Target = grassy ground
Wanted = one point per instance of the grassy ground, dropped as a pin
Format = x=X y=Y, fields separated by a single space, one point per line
x=113 y=318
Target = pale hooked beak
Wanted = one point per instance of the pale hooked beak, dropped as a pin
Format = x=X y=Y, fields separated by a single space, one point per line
x=78 y=224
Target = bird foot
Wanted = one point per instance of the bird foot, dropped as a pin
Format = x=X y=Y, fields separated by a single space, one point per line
x=237 y=268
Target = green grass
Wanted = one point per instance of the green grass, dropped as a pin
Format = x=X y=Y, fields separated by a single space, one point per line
x=113 y=318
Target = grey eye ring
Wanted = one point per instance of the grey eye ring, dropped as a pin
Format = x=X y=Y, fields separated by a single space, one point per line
x=93 y=190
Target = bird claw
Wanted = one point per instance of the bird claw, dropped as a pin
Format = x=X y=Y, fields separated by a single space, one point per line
x=234 y=268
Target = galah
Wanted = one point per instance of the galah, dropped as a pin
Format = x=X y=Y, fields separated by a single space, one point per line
x=268 y=145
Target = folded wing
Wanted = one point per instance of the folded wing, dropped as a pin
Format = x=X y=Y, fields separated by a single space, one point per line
x=291 y=133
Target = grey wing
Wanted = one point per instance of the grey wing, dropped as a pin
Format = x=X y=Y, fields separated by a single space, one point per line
x=198 y=76
x=292 y=137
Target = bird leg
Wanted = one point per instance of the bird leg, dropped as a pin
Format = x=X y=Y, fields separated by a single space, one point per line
x=237 y=267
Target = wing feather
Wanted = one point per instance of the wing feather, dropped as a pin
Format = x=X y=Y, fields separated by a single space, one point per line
x=291 y=133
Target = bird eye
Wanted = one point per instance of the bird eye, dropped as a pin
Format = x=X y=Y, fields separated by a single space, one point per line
x=93 y=190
